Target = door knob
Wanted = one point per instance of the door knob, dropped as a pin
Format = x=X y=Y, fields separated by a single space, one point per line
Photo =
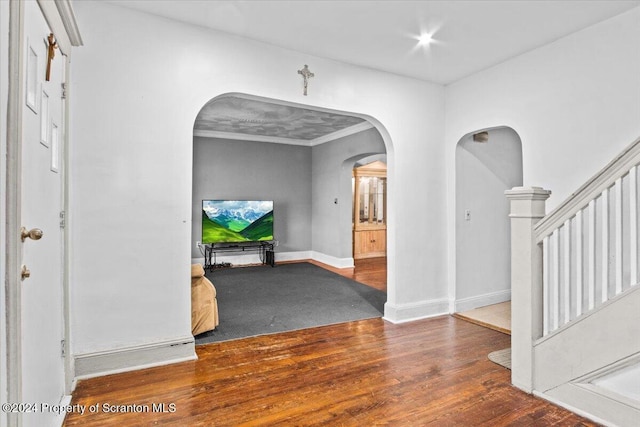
x=25 y=273
x=33 y=234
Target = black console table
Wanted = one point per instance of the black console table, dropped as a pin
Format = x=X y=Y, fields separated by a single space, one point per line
x=265 y=249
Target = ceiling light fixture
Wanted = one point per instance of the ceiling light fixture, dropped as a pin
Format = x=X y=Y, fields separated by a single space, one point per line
x=424 y=39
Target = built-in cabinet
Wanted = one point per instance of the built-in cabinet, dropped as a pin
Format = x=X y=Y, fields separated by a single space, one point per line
x=370 y=210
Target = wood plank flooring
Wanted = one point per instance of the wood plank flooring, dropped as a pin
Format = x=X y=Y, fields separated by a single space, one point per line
x=368 y=271
x=495 y=316
x=432 y=372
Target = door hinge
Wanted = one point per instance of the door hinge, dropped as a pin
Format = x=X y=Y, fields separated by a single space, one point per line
x=63 y=219
x=62 y=348
x=64 y=91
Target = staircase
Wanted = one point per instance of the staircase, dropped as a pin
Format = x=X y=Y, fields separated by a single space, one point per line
x=575 y=294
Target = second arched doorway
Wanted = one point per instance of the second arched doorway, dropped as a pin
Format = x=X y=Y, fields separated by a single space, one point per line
x=488 y=162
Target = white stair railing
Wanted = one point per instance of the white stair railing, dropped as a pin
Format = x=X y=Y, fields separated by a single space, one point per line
x=574 y=259
x=590 y=243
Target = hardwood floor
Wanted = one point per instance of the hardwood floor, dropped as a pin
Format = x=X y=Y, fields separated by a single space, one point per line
x=368 y=271
x=432 y=372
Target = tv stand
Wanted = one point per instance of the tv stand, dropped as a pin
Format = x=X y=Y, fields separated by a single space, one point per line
x=265 y=249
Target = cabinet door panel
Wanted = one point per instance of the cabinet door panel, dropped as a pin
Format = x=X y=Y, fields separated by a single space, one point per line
x=369 y=243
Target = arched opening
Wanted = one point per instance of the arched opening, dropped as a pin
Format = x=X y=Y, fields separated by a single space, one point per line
x=369 y=207
x=488 y=162
x=252 y=148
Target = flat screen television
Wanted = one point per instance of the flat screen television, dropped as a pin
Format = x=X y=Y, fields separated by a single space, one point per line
x=235 y=221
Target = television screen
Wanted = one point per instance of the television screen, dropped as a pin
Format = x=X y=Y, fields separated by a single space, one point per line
x=226 y=221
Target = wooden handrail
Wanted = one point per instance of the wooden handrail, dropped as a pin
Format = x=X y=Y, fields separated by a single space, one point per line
x=604 y=179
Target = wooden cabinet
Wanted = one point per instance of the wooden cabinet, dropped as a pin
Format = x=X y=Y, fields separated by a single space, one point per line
x=370 y=210
x=369 y=243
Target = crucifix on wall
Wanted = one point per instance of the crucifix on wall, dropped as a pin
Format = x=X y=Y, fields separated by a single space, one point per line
x=306 y=75
x=52 y=46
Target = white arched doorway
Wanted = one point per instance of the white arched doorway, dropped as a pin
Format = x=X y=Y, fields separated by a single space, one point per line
x=488 y=162
x=321 y=211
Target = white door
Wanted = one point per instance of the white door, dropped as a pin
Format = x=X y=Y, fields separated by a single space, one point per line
x=42 y=316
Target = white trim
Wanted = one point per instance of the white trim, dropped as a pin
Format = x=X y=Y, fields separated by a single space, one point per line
x=401 y=313
x=352 y=130
x=55 y=22
x=589 y=381
x=44 y=117
x=69 y=22
x=483 y=300
x=633 y=224
x=65 y=401
x=65 y=163
x=101 y=363
x=13 y=183
x=331 y=260
x=254 y=258
x=570 y=408
x=586 y=315
x=596 y=185
x=248 y=137
x=31 y=81
x=55 y=148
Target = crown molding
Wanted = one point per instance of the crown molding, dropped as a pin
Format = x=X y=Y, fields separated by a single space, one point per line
x=248 y=137
x=62 y=22
x=69 y=21
x=280 y=140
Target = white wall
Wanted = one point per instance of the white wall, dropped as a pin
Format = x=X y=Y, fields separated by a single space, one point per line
x=248 y=170
x=575 y=104
x=137 y=86
x=332 y=173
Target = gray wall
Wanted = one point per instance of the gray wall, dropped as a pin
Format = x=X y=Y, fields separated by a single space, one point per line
x=302 y=181
x=483 y=246
x=332 y=170
x=245 y=170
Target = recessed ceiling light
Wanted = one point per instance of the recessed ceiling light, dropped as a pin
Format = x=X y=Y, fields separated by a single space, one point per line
x=424 y=39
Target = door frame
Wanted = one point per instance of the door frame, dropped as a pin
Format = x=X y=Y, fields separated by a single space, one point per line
x=60 y=18
x=15 y=93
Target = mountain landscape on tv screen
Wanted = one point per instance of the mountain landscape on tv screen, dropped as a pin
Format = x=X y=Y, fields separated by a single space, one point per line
x=235 y=224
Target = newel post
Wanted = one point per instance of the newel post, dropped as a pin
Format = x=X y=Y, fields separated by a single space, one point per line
x=527 y=208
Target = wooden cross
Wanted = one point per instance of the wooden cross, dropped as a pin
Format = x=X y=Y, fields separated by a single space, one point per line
x=306 y=75
x=53 y=45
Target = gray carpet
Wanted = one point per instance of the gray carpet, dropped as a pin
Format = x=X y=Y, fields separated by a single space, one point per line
x=264 y=300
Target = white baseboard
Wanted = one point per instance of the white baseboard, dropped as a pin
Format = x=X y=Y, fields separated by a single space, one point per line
x=293 y=256
x=588 y=404
x=401 y=313
x=65 y=401
x=101 y=363
x=466 y=304
x=331 y=260
x=254 y=258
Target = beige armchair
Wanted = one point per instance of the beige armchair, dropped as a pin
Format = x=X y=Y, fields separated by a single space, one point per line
x=204 y=305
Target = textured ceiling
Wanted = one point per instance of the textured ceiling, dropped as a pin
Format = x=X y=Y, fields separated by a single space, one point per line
x=236 y=117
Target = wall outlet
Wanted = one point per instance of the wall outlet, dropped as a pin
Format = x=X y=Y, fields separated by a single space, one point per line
x=467 y=215
x=198 y=244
